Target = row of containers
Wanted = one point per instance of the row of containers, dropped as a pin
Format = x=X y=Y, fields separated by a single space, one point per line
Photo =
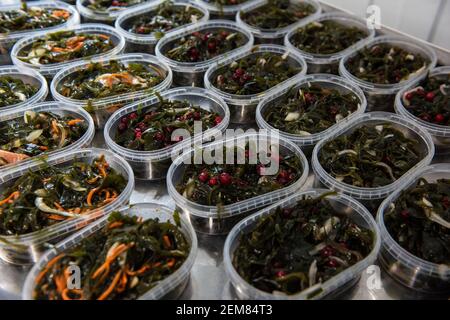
x=358 y=203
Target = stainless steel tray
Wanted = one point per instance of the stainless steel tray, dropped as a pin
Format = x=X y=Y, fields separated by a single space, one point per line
x=208 y=278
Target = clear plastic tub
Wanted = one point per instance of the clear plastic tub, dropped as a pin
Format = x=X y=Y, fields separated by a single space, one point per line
x=329 y=63
x=216 y=220
x=27 y=248
x=440 y=134
x=380 y=97
x=372 y=197
x=91 y=16
x=331 y=288
x=224 y=12
x=49 y=70
x=147 y=42
x=169 y=288
x=192 y=73
x=243 y=107
x=101 y=109
x=153 y=165
x=58 y=109
x=7 y=40
x=275 y=36
x=324 y=80
x=411 y=271
x=28 y=76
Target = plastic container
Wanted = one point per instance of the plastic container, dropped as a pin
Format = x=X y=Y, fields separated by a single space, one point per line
x=411 y=271
x=58 y=109
x=49 y=70
x=28 y=76
x=331 y=288
x=147 y=42
x=243 y=107
x=192 y=73
x=153 y=165
x=169 y=288
x=380 y=97
x=216 y=220
x=324 y=80
x=7 y=40
x=440 y=133
x=26 y=249
x=91 y=16
x=372 y=197
x=101 y=109
x=329 y=63
x=275 y=36
x=224 y=12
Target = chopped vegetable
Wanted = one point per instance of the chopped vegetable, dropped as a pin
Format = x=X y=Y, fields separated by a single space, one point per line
x=53 y=194
x=14 y=90
x=385 y=64
x=153 y=129
x=99 y=81
x=300 y=247
x=103 y=6
x=122 y=261
x=371 y=156
x=254 y=74
x=419 y=220
x=64 y=46
x=35 y=133
x=311 y=109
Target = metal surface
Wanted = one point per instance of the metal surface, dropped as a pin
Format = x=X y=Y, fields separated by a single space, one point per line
x=208 y=278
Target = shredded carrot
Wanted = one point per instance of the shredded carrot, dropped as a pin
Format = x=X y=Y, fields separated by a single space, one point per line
x=115 y=224
x=43 y=148
x=60 y=283
x=93 y=180
x=54 y=126
x=103 y=36
x=167 y=242
x=90 y=195
x=13 y=196
x=74 y=122
x=123 y=283
x=111 y=287
x=65 y=294
x=56 y=217
x=47 y=267
x=116 y=252
x=171 y=263
x=61 y=14
x=58 y=206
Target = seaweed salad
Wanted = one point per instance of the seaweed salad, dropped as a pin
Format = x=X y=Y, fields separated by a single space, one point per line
x=14 y=90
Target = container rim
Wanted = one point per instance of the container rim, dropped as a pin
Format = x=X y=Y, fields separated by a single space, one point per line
x=148 y=8
x=167 y=152
x=63 y=227
x=72 y=21
x=312 y=78
x=426 y=51
x=224 y=10
x=116 y=99
x=257 y=97
x=378 y=192
x=241 y=206
x=392 y=246
x=16 y=71
x=104 y=17
x=52 y=106
x=157 y=292
x=433 y=129
x=315 y=58
x=278 y=32
x=328 y=286
x=53 y=68
x=195 y=67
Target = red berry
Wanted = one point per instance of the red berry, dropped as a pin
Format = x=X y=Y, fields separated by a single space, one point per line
x=326 y=252
x=133 y=116
x=122 y=126
x=211 y=46
x=281 y=274
x=309 y=98
x=439 y=118
x=239 y=71
x=197 y=115
x=138 y=134
x=159 y=136
x=194 y=53
x=225 y=178
x=115 y=3
x=124 y=120
x=213 y=181
x=141 y=29
x=224 y=34
x=203 y=176
x=206 y=36
x=446 y=202
x=217 y=120
x=409 y=96
x=332 y=263
x=430 y=96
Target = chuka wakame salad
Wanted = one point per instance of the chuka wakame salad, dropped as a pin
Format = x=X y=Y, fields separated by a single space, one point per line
x=14 y=90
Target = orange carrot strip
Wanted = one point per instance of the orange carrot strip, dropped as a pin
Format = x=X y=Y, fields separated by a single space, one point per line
x=167 y=242
x=12 y=196
x=171 y=263
x=90 y=195
x=74 y=122
x=47 y=267
x=111 y=287
x=115 y=224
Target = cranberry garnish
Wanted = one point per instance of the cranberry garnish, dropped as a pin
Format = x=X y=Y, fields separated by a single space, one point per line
x=430 y=96
x=246 y=77
x=159 y=136
x=332 y=263
x=138 y=134
x=212 y=46
x=141 y=29
x=122 y=126
x=133 y=116
x=217 y=120
x=326 y=252
x=203 y=176
x=445 y=202
x=439 y=118
x=197 y=115
x=239 y=71
x=194 y=53
x=281 y=274
x=213 y=181
x=225 y=178
x=309 y=98
x=409 y=96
